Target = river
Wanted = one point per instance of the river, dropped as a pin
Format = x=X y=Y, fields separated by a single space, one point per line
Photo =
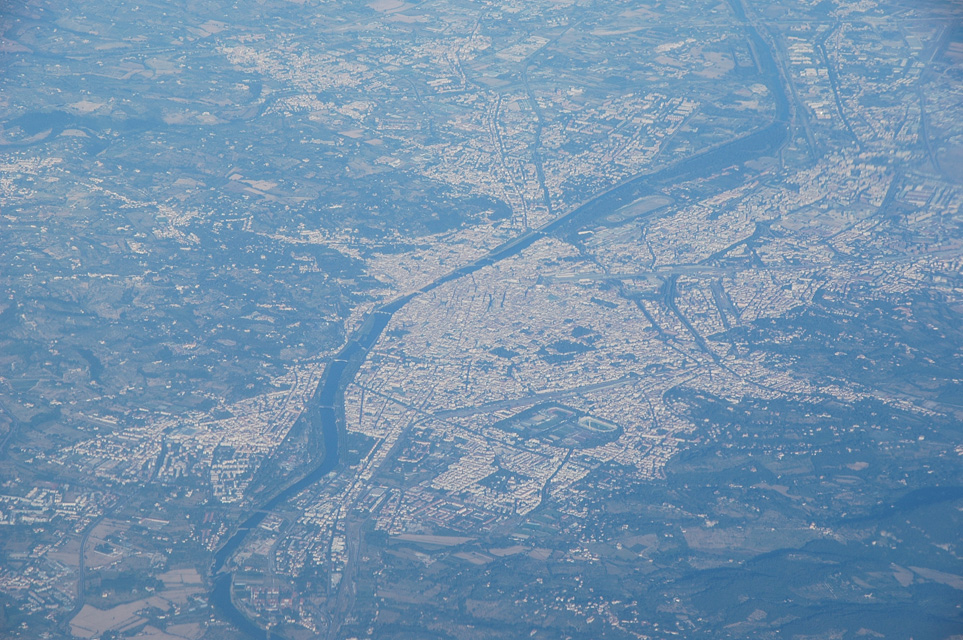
x=327 y=401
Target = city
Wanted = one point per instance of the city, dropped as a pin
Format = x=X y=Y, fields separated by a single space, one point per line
x=473 y=320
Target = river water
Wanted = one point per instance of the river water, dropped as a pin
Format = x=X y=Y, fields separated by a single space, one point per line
x=343 y=368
